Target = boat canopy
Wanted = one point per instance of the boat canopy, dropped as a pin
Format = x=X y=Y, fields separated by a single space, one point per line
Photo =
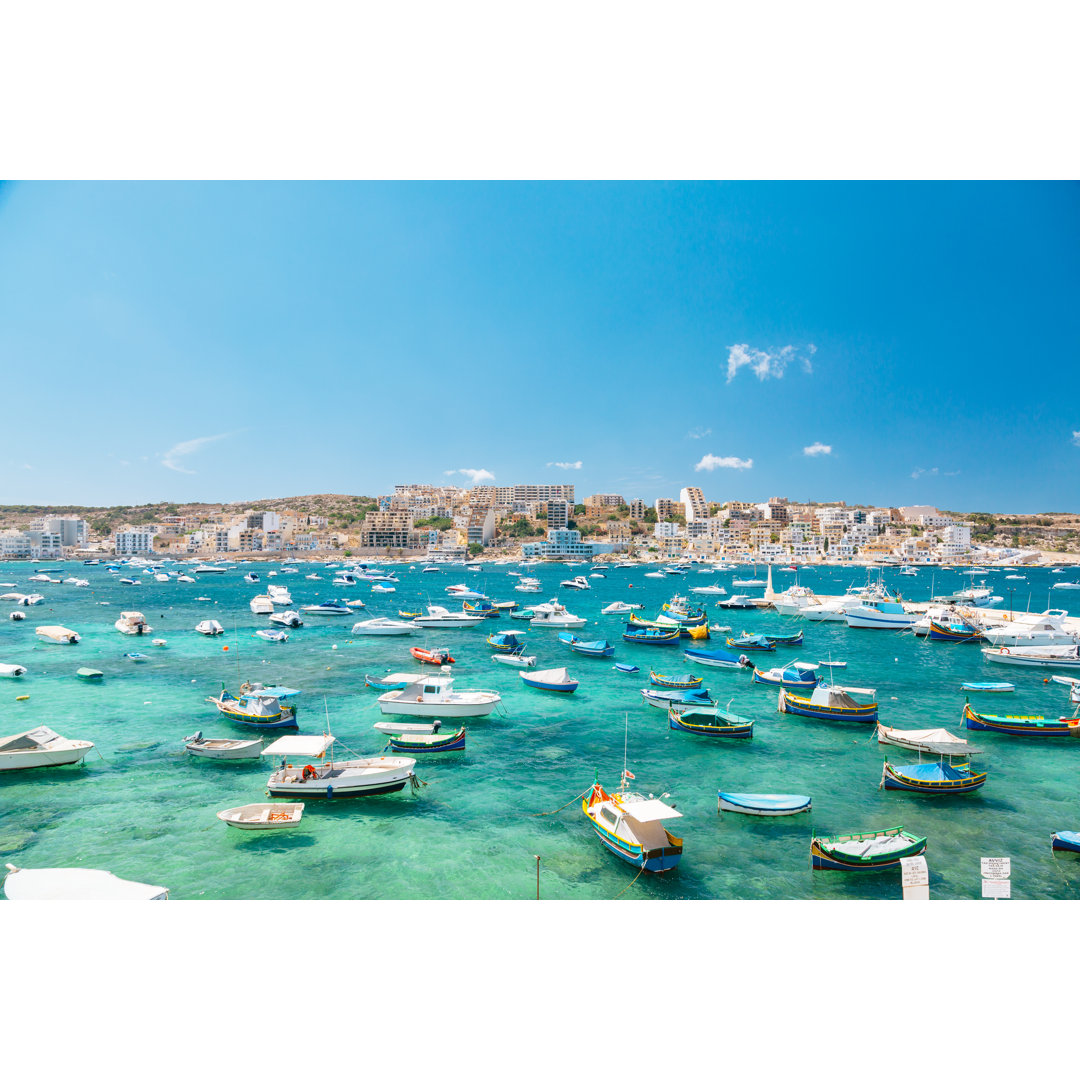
x=650 y=810
x=299 y=746
x=77 y=884
x=39 y=737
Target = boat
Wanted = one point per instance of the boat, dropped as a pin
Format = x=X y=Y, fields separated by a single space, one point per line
x=666 y=682
x=279 y=595
x=720 y=658
x=578 y=582
x=737 y=600
x=136 y=657
x=409 y=615
x=397 y=681
x=762 y=805
x=1065 y=841
x=1046 y=628
x=989 y=687
x=382 y=587
x=357 y=603
x=251 y=577
x=557 y=679
x=89 y=674
x=710 y=590
x=127 y=581
x=186 y=578
x=259 y=708
x=132 y=622
x=204 y=569
x=286 y=618
x=656 y=574
x=76 y=883
x=436 y=657
x=631 y=826
x=528 y=584
x=881 y=850
x=931 y=778
x=484 y=609
x=263 y=815
x=382 y=627
x=959 y=631
x=650 y=635
x=679 y=700
x=620 y=607
x=552 y=615
x=1035 y=656
x=925 y=740
x=333 y=779
x=514 y=659
x=209 y=627
x=272 y=635
x=1056 y=585
x=747 y=583
x=261 y=605
x=795 y=676
x=463 y=592
x=507 y=641
x=830 y=703
x=444 y=619
x=16 y=616
x=715 y=723
x=751 y=642
x=601 y=648
x=423 y=738
x=1020 y=725
x=58 y=635
x=328 y=607
x=881 y=612
x=626 y=669
x=158 y=642
x=40 y=747
x=312 y=577
x=435 y=696
x=223 y=749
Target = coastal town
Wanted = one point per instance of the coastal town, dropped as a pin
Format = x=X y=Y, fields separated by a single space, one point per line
x=543 y=522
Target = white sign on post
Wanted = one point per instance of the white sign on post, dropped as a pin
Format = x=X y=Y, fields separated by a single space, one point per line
x=996 y=869
x=996 y=889
x=915 y=877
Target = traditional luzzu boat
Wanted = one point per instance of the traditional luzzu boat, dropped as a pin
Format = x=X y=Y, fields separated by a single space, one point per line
x=716 y=723
x=925 y=740
x=784 y=639
x=679 y=700
x=507 y=641
x=931 y=778
x=1065 y=841
x=422 y=738
x=796 y=676
x=751 y=643
x=650 y=635
x=765 y=805
x=955 y=631
x=631 y=826
x=687 y=682
x=881 y=850
x=587 y=648
x=830 y=703
x=720 y=658
x=484 y=608
x=1020 y=725
x=259 y=707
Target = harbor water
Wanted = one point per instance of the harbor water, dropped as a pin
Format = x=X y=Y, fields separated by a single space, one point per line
x=143 y=808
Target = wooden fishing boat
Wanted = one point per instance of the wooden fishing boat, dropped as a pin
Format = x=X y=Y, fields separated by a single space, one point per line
x=881 y=850
x=716 y=723
x=925 y=740
x=436 y=657
x=958 y=632
x=650 y=635
x=1020 y=725
x=506 y=640
x=223 y=749
x=687 y=682
x=989 y=687
x=483 y=608
x=784 y=639
x=388 y=682
x=410 y=615
x=263 y=816
x=631 y=827
x=626 y=669
x=261 y=708
x=830 y=703
x=720 y=658
x=515 y=659
x=427 y=742
x=762 y=805
x=1065 y=841
x=796 y=676
x=557 y=679
x=931 y=778
x=592 y=648
x=751 y=643
x=680 y=700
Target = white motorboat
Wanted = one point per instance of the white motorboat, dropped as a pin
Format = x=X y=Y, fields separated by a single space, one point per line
x=58 y=635
x=382 y=625
x=879 y=614
x=261 y=605
x=578 y=582
x=1035 y=655
x=132 y=622
x=1056 y=585
x=794 y=600
x=279 y=595
x=209 y=627
x=223 y=749
x=435 y=696
x=327 y=607
x=40 y=747
x=832 y=610
x=161 y=577
x=16 y=616
x=710 y=590
x=11 y=671
x=357 y=603
x=554 y=616
x=342 y=578
x=31 y=600
x=1047 y=628
x=186 y=578
x=278 y=636
x=747 y=583
x=445 y=619
x=210 y=569
x=527 y=584
x=976 y=596
x=514 y=660
x=620 y=607
x=251 y=577
x=463 y=592
x=333 y=779
x=263 y=815
x=312 y=577
x=289 y=570
x=736 y=600
x=286 y=618
x=76 y=883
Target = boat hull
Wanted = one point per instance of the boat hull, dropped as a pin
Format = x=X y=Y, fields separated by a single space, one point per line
x=1037 y=726
x=823 y=857
x=894 y=780
x=1065 y=841
x=20 y=760
x=763 y=805
x=715 y=731
x=862 y=714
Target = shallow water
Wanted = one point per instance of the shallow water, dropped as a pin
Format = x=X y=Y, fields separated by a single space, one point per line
x=143 y=808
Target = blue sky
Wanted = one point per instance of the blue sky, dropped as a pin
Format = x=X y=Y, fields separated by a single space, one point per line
x=892 y=343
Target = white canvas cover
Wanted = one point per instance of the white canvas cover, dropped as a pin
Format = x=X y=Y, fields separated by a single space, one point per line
x=299 y=746
x=651 y=810
x=77 y=884
x=28 y=740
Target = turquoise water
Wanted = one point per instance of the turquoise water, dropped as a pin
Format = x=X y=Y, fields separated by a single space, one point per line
x=144 y=809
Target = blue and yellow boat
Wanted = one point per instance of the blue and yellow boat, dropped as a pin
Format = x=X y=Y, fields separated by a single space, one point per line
x=631 y=827
x=958 y=632
x=687 y=682
x=931 y=778
x=751 y=643
x=1038 y=726
x=651 y=635
x=716 y=723
x=830 y=703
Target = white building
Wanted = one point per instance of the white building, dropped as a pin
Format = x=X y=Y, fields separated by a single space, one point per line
x=697 y=509
x=135 y=541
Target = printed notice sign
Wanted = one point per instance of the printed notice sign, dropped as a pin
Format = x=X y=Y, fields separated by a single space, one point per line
x=996 y=869
x=997 y=890
x=913 y=871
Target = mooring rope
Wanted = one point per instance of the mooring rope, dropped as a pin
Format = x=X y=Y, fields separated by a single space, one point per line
x=546 y=813
x=636 y=876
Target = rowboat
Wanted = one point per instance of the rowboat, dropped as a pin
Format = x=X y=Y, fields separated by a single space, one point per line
x=720 y=658
x=223 y=749
x=591 y=648
x=688 y=682
x=436 y=657
x=650 y=635
x=931 y=778
x=925 y=740
x=716 y=723
x=1020 y=725
x=1065 y=841
x=881 y=850
x=989 y=687
x=263 y=816
x=58 y=635
x=762 y=805
x=679 y=700
x=751 y=642
x=830 y=703
x=631 y=827
x=798 y=676
x=556 y=679
x=76 y=883
x=626 y=669
x=390 y=682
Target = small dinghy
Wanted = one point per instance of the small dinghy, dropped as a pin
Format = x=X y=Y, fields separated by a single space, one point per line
x=925 y=740
x=223 y=749
x=832 y=663
x=557 y=679
x=516 y=659
x=989 y=687
x=626 y=669
x=396 y=681
x=599 y=648
x=11 y=671
x=135 y=657
x=262 y=815
x=89 y=674
x=272 y=635
x=16 y=616
x=1065 y=841
x=159 y=642
x=435 y=657
x=762 y=805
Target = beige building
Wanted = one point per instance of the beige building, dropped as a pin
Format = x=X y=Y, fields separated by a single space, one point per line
x=697 y=509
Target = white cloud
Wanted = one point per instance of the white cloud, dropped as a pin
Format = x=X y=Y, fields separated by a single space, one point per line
x=477 y=476
x=182 y=449
x=1076 y=438
x=699 y=433
x=564 y=464
x=924 y=472
x=711 y=461
x=30 y=467
x=816 y=449
x=765 y=364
